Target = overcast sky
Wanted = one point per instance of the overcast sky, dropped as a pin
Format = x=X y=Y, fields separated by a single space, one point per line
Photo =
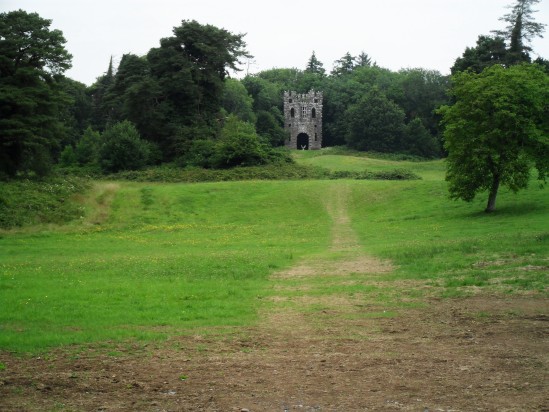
x=396 y=33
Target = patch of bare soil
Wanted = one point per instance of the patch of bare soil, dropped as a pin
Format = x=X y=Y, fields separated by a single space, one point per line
x=485 y=353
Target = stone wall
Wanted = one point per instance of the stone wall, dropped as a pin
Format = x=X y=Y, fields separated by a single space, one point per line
x=303 y=120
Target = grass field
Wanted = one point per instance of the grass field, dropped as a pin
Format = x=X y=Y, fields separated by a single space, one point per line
x=427 y=170
x=148 y=261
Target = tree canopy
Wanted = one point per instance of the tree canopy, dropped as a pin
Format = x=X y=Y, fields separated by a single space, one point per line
x=497 y=130
x=521 y=29
x=32 y=59
x=508 y=46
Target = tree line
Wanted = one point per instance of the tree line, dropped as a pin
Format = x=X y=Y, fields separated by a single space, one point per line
x=173 y=104
x=178 y=103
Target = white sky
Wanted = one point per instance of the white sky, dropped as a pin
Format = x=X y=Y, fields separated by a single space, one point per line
x=396 y=33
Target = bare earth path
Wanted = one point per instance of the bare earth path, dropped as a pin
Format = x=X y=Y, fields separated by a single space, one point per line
x=335 y=337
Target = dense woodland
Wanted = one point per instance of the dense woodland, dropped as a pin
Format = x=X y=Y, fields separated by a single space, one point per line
x=178 y=104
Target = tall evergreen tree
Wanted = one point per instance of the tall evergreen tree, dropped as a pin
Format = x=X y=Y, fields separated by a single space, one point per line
x=315 y=66
x=363 y=60
x=520 y=30
x=345 y=65
x=32 y=60
x=101 y=108
x=488 y=51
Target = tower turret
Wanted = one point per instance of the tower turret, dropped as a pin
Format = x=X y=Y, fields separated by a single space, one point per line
x=303 y=120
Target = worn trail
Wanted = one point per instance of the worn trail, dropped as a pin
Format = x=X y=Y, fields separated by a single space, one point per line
x=335 y=336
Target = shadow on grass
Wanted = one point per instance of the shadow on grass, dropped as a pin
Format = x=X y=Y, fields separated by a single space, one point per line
x=516 y=209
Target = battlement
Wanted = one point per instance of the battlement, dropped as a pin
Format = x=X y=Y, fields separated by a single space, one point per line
x=313 y=97
x=303 y=119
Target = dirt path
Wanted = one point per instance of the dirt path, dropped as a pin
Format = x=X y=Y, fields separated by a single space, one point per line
x=332 y=339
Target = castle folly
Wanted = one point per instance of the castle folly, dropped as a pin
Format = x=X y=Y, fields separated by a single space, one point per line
x=303 y=120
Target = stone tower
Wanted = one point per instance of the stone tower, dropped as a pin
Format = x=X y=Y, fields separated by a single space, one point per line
x=303 y=120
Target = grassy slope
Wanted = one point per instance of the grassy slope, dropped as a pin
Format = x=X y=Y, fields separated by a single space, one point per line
x=171 y=257
x=428 y=170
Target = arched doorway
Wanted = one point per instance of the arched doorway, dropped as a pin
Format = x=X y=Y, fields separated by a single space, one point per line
x=302 y=141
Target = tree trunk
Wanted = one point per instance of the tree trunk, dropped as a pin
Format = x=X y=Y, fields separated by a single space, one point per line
x=493 y=194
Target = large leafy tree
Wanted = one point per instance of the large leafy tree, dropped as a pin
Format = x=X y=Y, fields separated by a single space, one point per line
x=190 y=68
x=497 y=130
x=32 y=60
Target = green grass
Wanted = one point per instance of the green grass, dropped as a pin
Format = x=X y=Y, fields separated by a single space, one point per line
x=170 y=258
x=428 y=170
x=455 y=244
x=154 y=260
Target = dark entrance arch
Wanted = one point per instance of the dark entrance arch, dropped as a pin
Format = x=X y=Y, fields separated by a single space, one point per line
x=302 y=141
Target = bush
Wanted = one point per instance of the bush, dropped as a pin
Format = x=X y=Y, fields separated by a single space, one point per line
x=67 y=157
x=200 y=154
x=122 y=148
x=87 y=148
x=278 y=171
x=27 y=202
x=239 y=146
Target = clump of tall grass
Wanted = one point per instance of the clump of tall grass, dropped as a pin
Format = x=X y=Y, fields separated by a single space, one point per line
x=50 y=200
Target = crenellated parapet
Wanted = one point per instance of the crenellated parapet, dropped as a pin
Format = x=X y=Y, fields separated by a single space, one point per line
x=303 y=120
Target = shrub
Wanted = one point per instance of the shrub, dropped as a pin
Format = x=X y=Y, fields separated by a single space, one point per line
x=122 y=148
x=27 y=202
x=200 y=154
x=239 y=145
x=87 y=148
x=67 y=157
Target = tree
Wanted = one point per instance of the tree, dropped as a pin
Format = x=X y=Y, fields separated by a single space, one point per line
x=122 y=148
x=374 y=123
x=188 y=72
x=32 y=59
x=269 y=126
x=77 y=114
x=521 y=29
x=418 y=141
x=239 y=145
x=363 y=60
x=315 y=66
x=496 y=130
x=101 y=108
x=87 y=148
x=487 y=52
x=343 y=66
x=237 y=101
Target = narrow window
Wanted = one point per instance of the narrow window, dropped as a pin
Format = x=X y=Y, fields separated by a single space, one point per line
x=292 y=112
x=290 y=100
x=315 y=137
x=313 y=113
x=303 y=112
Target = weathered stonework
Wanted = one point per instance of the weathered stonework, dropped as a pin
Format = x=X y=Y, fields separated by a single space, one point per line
x=303 y=120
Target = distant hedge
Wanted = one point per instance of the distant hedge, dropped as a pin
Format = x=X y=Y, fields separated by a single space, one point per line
x=267 y=172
